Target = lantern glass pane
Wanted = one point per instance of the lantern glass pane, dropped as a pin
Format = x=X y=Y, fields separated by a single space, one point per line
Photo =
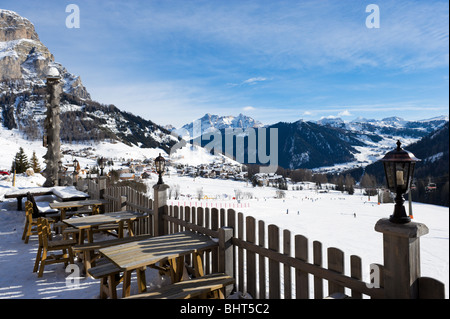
x=159 y=163
x=410 y=175
x=389 y=169
x=402 y=175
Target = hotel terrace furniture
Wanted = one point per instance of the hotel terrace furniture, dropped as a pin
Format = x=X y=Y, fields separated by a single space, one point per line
x=64 y=206
x=65 y=193
x=89 y=224
x=138 y=255
x=46 y=246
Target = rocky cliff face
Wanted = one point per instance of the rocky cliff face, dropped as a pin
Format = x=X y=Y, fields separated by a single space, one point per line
x=24 y=57
x=15 y=27
x=24 y=62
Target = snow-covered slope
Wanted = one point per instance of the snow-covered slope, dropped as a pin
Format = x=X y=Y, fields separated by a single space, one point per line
x=380 y=136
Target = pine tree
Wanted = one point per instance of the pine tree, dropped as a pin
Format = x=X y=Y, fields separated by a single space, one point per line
x=21 y=161
x=34 y=163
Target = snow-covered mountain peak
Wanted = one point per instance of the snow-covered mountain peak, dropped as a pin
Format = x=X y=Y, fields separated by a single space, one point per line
x=211 y=122
x=26 y=60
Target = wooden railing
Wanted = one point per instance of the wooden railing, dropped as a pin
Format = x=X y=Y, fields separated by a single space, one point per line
x=266 y=264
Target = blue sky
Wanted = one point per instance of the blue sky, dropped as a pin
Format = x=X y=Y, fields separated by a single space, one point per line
x=174 y=61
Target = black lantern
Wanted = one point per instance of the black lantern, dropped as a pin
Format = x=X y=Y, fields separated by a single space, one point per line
x=102 y=165
x=160 y=164
x=75 y=165
x=399 y=169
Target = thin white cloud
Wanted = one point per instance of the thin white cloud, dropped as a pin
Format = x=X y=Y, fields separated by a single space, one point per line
x=248 y=108
x=254 y=80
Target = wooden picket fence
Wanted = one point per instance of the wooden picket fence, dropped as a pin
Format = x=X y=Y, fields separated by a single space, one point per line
x=126 y=198
x=268 y=262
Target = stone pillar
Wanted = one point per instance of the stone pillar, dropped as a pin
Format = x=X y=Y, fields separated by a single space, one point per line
x=52 y=126
x=159 y=201
x=401 y=251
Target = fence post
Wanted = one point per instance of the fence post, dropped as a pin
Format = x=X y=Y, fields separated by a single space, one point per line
x=401 y=251
x=160 y=200
x=123 y=202
x=101 y=186
x=226 y=262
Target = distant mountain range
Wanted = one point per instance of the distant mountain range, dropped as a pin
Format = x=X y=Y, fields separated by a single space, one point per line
x=433 y=167
x=327 y=145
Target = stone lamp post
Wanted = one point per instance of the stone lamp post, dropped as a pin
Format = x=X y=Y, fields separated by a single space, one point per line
x=52 y=126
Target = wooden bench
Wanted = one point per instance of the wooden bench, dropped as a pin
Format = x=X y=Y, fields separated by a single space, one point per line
x=208 y=286
x=89 y=249
x=109 y=275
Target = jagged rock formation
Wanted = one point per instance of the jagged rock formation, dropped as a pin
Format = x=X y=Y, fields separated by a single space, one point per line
x=24 y=62
x=24 y=57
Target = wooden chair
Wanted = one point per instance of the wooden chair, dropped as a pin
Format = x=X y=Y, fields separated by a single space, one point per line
x=45 y=246
x=30 y=227
x=41 y=209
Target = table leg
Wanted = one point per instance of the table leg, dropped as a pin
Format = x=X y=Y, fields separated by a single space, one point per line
x=81 y=239
x=95 y=209
x=176 y=269
x=126 y=284
x=198 y=264
x=19 y=203
x=130 y=228
x=120 y=231
x=90 y=235
x=141 y=281
x=63 y=213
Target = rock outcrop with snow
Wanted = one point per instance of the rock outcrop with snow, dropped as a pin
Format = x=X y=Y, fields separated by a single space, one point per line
x=24 y=57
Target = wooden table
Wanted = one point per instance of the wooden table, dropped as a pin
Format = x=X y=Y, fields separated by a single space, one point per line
x=140 y=254
x=88 y=223
x=64 y=206
x=65 y=193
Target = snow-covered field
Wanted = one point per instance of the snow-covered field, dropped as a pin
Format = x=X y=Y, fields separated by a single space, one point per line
x=326 y=217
